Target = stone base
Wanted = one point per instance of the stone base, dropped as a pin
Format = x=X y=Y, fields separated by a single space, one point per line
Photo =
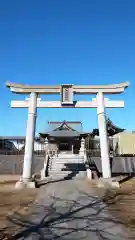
x=108 y=183
x=42 y=174
x=81 y=154
x=24 y=184
x=43 y=178
x=89 y=174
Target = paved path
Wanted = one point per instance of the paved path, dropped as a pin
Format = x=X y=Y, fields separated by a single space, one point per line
x=68 y=210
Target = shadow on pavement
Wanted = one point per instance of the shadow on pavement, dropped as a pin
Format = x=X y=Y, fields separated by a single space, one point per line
x=83 y=218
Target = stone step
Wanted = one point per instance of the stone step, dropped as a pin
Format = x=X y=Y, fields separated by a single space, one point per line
x=52 y=171
x=65 y=162
x=66 y=173
x=66 y=170
x=66 y=165
x=69 y=157
x=60 y=174
x=63 y=173
x=55 y=168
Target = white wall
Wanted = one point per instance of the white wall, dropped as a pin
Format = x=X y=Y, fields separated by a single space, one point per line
x=37 y=145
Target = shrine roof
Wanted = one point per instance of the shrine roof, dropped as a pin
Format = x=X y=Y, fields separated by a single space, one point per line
x=71 y=125
x=111 y=129
x=64 y=133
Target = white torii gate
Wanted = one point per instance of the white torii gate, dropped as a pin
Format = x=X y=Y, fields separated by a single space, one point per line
x=66 y=91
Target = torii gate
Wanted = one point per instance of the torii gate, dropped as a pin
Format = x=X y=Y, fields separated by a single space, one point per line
x=66 y=91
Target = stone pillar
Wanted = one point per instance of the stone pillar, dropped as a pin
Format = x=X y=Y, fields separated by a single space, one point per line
x=88 y=170
x=26 y=180
x=82 y=149
x=46 y=144
x=105 y=161
x=57 y=151
x=72 y=149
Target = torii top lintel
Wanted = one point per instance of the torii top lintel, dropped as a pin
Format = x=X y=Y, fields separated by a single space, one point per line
x=77 y=89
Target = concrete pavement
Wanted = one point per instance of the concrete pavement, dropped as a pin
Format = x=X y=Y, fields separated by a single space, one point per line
x=69 y=210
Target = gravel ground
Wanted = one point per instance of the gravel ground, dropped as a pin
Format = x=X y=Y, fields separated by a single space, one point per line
x=13 y=203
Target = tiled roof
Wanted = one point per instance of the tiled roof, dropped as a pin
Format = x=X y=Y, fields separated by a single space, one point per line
x=77 y=126
x=111 y=129
x=64 y=133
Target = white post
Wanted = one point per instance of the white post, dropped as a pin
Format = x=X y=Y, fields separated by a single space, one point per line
x=106 y=170
x=29 y=143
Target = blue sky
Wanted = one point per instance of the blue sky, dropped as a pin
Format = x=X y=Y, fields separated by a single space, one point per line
x=66 y=41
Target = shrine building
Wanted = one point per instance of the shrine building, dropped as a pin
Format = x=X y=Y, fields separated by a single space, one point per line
x=67 y=135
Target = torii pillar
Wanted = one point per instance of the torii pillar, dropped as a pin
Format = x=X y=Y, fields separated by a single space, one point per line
x=104 y=146
x=26 y=179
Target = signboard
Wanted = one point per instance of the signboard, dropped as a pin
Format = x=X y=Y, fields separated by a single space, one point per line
x=66 y=94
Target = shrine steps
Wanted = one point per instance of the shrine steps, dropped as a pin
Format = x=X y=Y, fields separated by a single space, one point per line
x=67 y=166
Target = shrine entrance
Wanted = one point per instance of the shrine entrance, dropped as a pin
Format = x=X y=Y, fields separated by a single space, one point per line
x=65 y=146
x=66 y=92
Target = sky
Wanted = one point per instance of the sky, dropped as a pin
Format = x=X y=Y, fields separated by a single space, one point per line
x=66 y=41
